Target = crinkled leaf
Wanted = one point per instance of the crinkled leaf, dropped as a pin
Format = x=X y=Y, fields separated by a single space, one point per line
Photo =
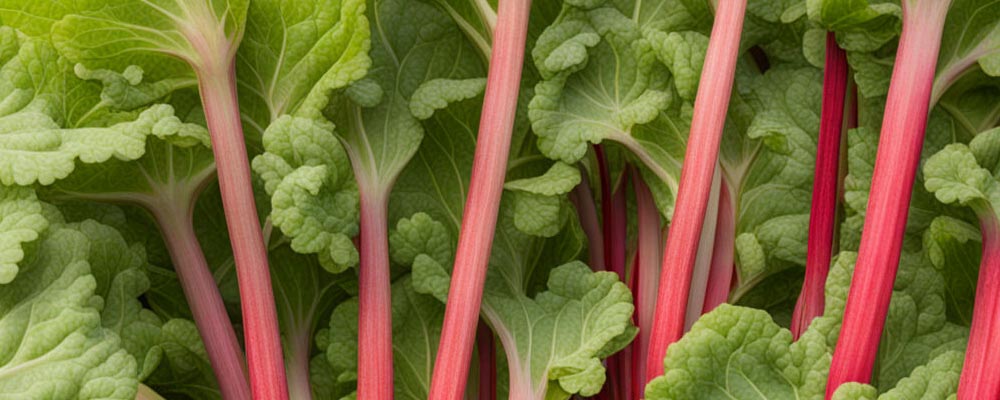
x=937 y=380
x=55 y=346
x=420 y=235
x=21 y=222
x=313 y=198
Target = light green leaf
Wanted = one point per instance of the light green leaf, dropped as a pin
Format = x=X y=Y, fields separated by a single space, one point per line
x=54 y=344
x=313 y=198
x=127 y=90
x=420 y=235
x=684 y=54
x=937 y=380
x=159 y=36
x=436 y=94
x=21 y=222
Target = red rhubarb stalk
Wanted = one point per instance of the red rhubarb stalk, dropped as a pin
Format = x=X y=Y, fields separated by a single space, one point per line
x=720 y=278
x=647 y=270
x=978 y=379
x=201 y=292
x=217 y=84
x=615 y=213
x=374 y=302
x=613 y=216
x=697 y=174
x=822 y=216
x=475 y=239
x=896 y=162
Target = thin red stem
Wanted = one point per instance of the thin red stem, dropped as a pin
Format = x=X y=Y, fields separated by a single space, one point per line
x=648 y=268
x=896 y=163
x=202 y=294
x=822 y=216
x=720 y=278
x=982 y=358
x=374 y=300
x=615 y=230
x=697 y=173
x=615 y=211
x=486 y=347
x=260 y=319
x=451 y=368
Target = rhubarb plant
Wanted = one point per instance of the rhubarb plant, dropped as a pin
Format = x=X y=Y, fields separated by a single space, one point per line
x=185 y=39
x=956 y=174
x=723 y=353
x=456 y=199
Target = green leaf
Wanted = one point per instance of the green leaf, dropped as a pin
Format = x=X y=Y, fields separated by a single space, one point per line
x=313 y=198
x=382 y=138
x=597 y=95
x=185 y=371
x=119 y=270
x=477 y=19
x=954 y=247
x=420 y=235
x=683 y=53
x=540 y=203
x=127 y=90
x=860 y=26
x=723 y=354
x=436 y=94
x=954 y=176
x=305 y=294
x=159 y=36
x=971 y=39
x=54 y=345
x=294 y=54
x=21 y=222
x=937 y=380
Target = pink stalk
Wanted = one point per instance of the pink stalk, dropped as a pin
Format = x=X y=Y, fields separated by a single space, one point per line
x=475 y=239
x=720 y=278
x=697 y=173
x=896 y=163
x=647 y=268
x=207 y=308
x=374 y=300
x=822 y=216
x=586 y=212
x=486 y=347
x=982 y=360
x=614 y=211
x=217 y=84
